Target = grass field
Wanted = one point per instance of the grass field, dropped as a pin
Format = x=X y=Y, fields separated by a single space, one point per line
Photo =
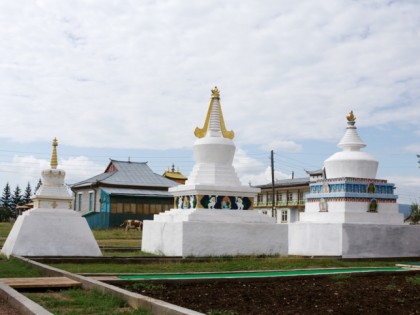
x=5 y=228
x=222 y=264
x=83 y=302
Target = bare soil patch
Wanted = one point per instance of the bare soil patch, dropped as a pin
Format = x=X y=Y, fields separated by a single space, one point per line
x=7 y=309
x=390 y=293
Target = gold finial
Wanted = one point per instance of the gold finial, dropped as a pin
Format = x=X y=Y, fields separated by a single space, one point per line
x=215 y=93
x=201 y=132
x=54 y=162
x=351 y=117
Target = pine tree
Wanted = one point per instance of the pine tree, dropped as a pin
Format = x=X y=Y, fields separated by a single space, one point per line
x=16 y=199
x=6 y=200
x=6 y=197
x=28 y=194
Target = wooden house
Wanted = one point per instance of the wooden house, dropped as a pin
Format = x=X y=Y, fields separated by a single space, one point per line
x=126 y=190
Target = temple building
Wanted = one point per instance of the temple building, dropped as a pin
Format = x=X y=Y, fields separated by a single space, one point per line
x=176 y=176
x=211 y=214
x=51 y=227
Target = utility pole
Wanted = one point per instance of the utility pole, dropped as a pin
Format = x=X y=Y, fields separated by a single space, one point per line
x=273 y=197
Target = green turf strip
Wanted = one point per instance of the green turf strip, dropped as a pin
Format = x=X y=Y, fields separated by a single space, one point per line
x=257 y=274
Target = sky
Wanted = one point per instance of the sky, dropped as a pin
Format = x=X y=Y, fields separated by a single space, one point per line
x=132 y=79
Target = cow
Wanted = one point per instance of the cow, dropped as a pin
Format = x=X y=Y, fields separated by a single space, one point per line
x=132 y=224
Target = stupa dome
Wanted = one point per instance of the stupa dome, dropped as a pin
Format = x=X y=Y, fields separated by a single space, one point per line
x=53 y=185
x=351 y=162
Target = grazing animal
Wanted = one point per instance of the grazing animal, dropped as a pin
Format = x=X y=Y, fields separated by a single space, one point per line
x=133 y=224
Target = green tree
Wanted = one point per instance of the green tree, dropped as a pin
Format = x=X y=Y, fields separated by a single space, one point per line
x=4 y=214
x=6 y=200
x=27 y=195
x=16 y=199
x=415 y=213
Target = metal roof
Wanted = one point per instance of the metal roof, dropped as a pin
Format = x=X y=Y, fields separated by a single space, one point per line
x=287 y=182
x=129 y=174
x=136 y=192
x=316 y=172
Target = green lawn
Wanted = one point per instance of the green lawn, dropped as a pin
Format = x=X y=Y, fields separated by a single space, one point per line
x=83 y=302
x=116 y=233
x=5 y=228
x=222 y=264
x=14 y=268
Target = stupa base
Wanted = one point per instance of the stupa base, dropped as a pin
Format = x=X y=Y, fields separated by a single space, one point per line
x=353 y=240
x=204 y=233
x=51 y=232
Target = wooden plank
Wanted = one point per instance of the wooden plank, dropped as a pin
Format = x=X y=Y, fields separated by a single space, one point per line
x=44 y=282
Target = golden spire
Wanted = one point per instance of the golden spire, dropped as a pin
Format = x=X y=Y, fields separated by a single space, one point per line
x=351 y=117
x=214 y=101
x=54 y=162
x=215 y=93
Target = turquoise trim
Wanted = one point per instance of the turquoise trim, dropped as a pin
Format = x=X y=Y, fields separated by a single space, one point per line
x=260 y=274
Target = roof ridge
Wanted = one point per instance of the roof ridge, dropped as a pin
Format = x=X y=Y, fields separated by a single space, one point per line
x=112 y=160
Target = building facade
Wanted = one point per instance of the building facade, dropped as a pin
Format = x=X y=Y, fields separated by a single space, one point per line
x=126 y=190
x=289 y=197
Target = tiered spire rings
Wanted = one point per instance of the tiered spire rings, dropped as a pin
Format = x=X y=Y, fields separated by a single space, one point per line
x=214 y=119
x=54 y=161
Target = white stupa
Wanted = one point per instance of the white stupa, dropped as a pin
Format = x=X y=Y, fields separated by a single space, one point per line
x=350 y=192
x=51 y=228
x=211 y=216
x=349 y=212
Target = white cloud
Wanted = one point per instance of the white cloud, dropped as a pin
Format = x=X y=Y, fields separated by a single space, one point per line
x=138 y=74
x=251 y=170
x=287 y=146
x=407 y=188
x=80 y=168
x=23 y=169
x=414 y=148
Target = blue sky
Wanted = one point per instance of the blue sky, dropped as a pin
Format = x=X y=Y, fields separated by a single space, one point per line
x=119 y=79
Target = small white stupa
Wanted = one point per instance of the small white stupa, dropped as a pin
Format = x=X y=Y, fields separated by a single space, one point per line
x=349 y=212
x=210 y=215
x=51 y=228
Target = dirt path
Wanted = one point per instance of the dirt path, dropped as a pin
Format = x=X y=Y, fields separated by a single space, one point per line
x=390 y=293
x=6 y=308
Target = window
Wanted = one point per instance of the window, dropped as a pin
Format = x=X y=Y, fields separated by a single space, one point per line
x=289 y=196
x=79 y=201
x=90 y=200
x=301 y=195
x=283 y=216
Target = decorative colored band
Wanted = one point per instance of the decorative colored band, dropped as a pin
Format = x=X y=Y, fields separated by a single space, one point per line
x=353 y=200
x=213 y=202
x=352 y=179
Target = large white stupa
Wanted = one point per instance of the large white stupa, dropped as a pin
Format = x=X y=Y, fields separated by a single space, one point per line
x=51 y=228
x=349 y=212
x=210 y=215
